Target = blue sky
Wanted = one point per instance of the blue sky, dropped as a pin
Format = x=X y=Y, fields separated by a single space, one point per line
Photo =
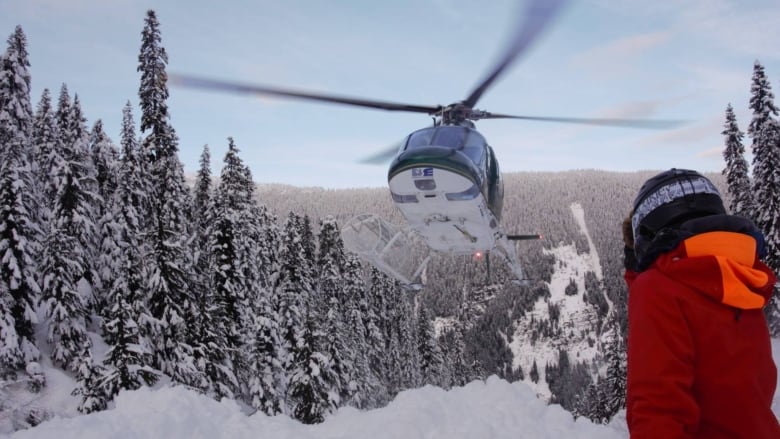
x=666 y=59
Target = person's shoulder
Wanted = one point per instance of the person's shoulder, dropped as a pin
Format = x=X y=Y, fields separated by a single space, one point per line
x=654 y=281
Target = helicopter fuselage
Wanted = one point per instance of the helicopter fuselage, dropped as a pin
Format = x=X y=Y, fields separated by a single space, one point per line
x=446 y=183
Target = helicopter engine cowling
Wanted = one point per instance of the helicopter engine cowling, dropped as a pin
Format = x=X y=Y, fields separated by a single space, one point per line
x=441 y=193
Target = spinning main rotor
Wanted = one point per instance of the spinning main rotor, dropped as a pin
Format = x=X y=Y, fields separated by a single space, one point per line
x=530 y=24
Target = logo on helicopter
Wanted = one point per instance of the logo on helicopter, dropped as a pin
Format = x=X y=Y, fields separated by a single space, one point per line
x=422 y=172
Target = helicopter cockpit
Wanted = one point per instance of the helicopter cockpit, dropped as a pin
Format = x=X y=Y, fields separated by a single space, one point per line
x=459 y=138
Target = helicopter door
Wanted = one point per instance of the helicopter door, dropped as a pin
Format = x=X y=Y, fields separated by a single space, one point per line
x=495 y=184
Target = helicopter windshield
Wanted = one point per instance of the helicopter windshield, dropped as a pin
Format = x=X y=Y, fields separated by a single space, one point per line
x=463 y=139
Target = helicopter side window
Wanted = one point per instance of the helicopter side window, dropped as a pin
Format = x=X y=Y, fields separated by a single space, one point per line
x=474 y=147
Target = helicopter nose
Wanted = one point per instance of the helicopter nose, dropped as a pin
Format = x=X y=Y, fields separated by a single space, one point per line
x=427 y=184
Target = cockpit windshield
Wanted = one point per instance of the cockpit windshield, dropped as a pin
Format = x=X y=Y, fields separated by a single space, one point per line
x=463 y=139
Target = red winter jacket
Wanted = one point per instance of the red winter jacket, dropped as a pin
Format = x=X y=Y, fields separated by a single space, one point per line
x=699 y=354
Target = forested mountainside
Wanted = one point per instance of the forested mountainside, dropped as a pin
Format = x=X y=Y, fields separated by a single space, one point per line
x=534 y=202
x=457 y=291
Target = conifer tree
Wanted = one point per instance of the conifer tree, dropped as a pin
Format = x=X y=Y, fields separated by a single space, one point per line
x=266 y=360
x=292 y=290
x=764 y=130
x=201 y=287
x=364 y=384
x=310 y=387
x=736 y=170
x=267 y=354
x=331 y=262
x=203 y=194
x=371 y=306
x=105 y=158
x=534 y=374
x=63 y=303
x=170 y=300
x=46 y=140
x=93 y=397
x=766 y=189
x=132 y=159
x=128 y=362
x=402 y=358
x=44 y=133
x=68 y=250
x=19 y=232
x=409 y=372
x=459 y=370
x=615 y=381
x=761 y=102
x=431 y=360
x=230 y=251
x=16 y=114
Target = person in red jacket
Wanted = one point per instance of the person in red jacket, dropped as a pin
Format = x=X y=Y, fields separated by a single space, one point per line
x=699 y=352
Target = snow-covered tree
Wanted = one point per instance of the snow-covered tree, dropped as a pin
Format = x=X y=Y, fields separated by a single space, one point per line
x=459 y=369
x=93 y=397
x=46 y=141
x=19 y=232
x=171 y=263
x=16 y=114
x=372 y=309
x=736 y=170
x=764 y=130
x=292 y=289
x=616 y=373
x=128 y=362
x=67 y=259
x=266 y=360
x=310 y=390
x=105 y=158
x=44 y=132
x=766 y=190
x=267 y=378
x=431 y=359
x=231 y=256
x=761 y=102
x=364 y=384
x=203 y=192
x=70 y=246
x=63 y=302
x=331 y=263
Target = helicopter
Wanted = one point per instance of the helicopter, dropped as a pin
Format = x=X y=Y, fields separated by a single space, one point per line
x=443 y=178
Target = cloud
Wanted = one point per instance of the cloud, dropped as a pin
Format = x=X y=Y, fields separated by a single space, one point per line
x=616 y=53
x=747 y=27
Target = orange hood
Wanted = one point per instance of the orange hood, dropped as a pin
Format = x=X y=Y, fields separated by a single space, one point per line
x=722 y=265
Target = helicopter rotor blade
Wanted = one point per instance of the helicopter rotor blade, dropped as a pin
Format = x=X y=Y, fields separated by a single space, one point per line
x=240 y=88
x=533 y=21
x=383 y=156
x=625 y=123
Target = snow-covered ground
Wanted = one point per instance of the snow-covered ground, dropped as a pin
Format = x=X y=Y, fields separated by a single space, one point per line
x=491 y=409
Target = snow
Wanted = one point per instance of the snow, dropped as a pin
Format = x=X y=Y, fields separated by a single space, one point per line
x=490 y=409
x=493 y=408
